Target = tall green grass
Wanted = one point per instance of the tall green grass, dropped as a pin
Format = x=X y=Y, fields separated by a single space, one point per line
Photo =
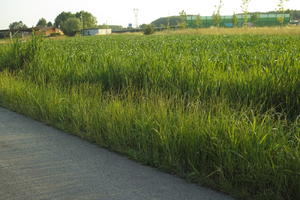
x=255 y=70
x=219 y=110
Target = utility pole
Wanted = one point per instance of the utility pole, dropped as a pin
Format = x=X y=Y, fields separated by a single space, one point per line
x=136 y=17
x=168 y=25
x=82 y=31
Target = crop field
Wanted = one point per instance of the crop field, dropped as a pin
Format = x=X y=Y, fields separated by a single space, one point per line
x=219 y=110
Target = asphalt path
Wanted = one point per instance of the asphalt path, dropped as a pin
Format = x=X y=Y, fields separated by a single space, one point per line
x=38 y=162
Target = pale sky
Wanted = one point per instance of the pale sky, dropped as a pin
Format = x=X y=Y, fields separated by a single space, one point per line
x=118 y=12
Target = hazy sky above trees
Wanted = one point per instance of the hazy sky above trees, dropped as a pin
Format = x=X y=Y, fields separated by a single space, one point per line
x=120 y=12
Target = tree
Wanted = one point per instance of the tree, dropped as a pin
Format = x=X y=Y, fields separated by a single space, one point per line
x=143 y=26
x=216 y=15
x=62 y=18
x=254 y=18
x=71 y=26
x=295 y=14
x=17 y=25
x=87 y=19
x=42 y=23
x=244 y=6
x=281 y=10
x=198 y=21
x=235 y=20
x=168 y=25
x=49 y=24
x=183 y=23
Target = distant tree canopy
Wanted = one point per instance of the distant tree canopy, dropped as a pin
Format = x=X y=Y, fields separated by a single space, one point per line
x=115 y=27
x=183 y=23
x=112 y=27
x=84 y=20
x=254 y=18
x=103 y=26
x=143 y=26
x=197 y=22
x=17 y=25
x=87 y=19
x=168 y=21
x=71 y=26
x=295 y=13
x=49 y=24
x=42 y=23
x=61 y=18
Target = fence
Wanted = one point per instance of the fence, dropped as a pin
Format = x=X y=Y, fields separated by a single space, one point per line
x=228 y=21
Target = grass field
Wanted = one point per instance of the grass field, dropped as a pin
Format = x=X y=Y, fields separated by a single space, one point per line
x=4 y=41
x=220 y=110
x=288 y=30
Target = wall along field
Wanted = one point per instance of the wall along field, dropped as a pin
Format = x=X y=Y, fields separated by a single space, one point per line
x=220 y=110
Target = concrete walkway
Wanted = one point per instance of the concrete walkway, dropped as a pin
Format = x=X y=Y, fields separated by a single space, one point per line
x=38 y=162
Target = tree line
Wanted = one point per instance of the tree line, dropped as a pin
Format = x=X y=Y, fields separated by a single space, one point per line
x=69 y=23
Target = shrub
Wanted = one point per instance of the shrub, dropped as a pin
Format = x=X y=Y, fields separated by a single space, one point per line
x=149 y=29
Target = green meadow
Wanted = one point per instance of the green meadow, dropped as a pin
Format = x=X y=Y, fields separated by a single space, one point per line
x=219 y=110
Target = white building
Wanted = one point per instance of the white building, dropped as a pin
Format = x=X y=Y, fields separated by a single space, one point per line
x=96 y=31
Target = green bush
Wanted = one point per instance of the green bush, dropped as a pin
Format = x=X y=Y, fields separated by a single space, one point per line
x=149 y=29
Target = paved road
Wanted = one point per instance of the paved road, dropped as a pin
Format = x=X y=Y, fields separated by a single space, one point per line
x=38 y=162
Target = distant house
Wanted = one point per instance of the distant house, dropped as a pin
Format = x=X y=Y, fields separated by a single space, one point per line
x=4 y=34
x=16 y=32
x=96 y=31
x=47 y=31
